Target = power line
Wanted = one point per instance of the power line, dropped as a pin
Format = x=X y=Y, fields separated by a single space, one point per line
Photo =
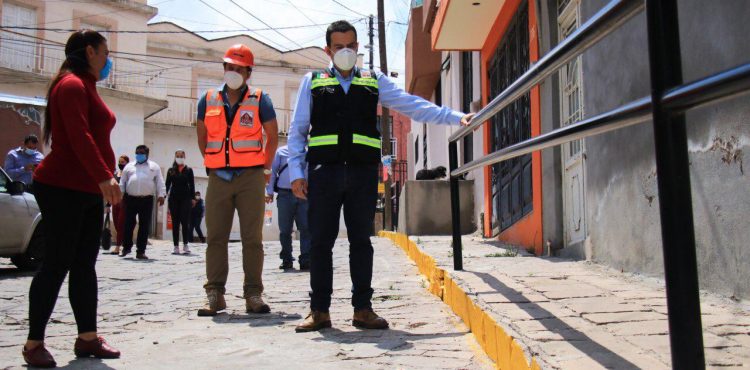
x=273 y=29
x=56 y=44
x=317 y=10
x=349 y=9
x=236 y=22
x=301 y=12
x=165 y=32
x=90 y=15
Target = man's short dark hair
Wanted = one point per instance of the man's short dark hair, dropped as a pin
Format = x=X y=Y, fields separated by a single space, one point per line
x=339 y=26
x=143 y=147
x=31 y=138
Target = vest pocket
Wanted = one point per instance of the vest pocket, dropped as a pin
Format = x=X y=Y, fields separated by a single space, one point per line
x=246 y=146
x=214 y=147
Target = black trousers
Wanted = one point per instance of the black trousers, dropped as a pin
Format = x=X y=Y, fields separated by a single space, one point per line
x=195 y=224
x=72 y=225
x=180 y=211
x=355 y=187
x=143 y=208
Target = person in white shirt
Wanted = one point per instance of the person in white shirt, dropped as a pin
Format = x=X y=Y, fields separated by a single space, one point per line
x=140 y=182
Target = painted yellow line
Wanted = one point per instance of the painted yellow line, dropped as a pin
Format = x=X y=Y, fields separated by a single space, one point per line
x=500 y=347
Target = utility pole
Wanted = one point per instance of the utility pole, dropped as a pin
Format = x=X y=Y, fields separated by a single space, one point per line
x=372 y=43
x=385 y=116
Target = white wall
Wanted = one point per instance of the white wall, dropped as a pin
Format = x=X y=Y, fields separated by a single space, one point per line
x=128 y=131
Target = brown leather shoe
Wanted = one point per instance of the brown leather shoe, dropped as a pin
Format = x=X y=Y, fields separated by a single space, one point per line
x=215 y=303
x=38 y=357
x=97 y=348
x=314 y=321
x=368 y=319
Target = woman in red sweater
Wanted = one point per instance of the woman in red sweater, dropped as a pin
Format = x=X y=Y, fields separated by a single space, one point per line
x=73 y=182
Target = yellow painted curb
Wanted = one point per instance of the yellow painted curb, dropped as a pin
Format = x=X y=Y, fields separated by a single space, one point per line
x=500 y=347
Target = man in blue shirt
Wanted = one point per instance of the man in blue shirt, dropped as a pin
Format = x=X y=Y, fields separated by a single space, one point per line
x=337 y=108
x=291 y=209
x=21 y=162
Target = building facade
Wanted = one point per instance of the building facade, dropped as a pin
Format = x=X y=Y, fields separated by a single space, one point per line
x=31 y=55
x=595 y=198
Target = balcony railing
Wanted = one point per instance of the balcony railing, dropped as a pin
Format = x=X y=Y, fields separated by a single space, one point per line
x=27 y=54
x=180 y=112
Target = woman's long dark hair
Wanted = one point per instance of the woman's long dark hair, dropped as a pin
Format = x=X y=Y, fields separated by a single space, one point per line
x=75 y=62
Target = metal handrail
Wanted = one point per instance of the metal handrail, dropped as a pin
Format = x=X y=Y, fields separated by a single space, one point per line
x=600 y=25
x=666 y=105
x=709 y=90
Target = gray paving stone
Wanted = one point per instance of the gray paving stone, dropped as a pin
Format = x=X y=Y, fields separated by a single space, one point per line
x=616 y=320
x=148 y=310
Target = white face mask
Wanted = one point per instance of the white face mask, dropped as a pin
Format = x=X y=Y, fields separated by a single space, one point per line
x=180 y=161
x=345 y=59
x=233 y=79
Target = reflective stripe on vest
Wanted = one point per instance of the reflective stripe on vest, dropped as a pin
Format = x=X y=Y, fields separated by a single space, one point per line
x=246 y=144
x=214 y=145
x=324 y=140
x=318 y=82
x=364 y=140
x=370 y=82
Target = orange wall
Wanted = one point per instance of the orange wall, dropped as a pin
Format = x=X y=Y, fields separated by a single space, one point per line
x=527 y=231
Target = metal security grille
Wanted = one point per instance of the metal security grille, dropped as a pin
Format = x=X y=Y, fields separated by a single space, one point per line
x=511 y=180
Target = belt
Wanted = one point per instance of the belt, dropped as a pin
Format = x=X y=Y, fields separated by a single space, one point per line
x=139 y=196
x=282 y=190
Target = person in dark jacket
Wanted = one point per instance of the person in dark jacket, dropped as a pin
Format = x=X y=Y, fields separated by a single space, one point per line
x=197 y=216
x=180 y=187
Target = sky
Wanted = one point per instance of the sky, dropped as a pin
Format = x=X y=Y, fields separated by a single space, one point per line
x=305 y=22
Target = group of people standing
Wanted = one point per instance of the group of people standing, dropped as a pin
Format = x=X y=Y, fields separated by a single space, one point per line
x=140 y=182
x=330 y=163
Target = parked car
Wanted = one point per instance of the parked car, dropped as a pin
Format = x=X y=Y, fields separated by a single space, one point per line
x=21 y=236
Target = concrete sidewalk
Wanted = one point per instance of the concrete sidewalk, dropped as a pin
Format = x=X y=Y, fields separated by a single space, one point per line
x=572 y=315
x=148 y=311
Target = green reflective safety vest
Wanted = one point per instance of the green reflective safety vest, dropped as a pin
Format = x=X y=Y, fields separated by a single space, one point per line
x=343 y=126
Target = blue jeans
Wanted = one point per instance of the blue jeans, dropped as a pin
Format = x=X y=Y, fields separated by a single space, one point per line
x=293 y=209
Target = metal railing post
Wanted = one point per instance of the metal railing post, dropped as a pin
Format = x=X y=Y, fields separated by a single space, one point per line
x=458 y=263
x=675 y=199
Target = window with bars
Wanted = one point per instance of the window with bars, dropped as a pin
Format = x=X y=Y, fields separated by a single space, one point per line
x=571 y=93
x=511 y=179
x=17 y=49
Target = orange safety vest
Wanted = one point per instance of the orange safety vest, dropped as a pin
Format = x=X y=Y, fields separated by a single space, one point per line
x=240 y=145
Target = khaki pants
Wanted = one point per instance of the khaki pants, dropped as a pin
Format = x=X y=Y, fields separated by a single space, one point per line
x=245 y=193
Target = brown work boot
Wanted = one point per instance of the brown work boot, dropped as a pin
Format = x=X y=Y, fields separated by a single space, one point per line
x=368 y=319
x=215 y=304
x=255 y=304
x=314 y=321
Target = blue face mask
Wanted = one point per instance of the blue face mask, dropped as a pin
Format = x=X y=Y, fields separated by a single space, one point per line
x=29 y=151
x=104 y=73
x=140 y=158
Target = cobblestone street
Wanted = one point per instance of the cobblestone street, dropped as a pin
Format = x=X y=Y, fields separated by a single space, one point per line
x=148 y=311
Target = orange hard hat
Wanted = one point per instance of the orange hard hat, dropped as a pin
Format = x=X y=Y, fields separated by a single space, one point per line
x=240 y=55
